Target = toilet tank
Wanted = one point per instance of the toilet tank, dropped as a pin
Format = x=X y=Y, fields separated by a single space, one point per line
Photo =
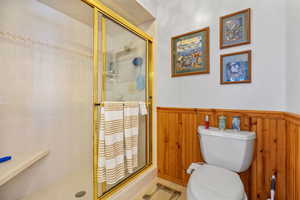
x=230 y=149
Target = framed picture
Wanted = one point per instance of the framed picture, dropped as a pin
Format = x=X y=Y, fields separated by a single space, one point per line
x=190 y=53
x=235 y=29
x=236 y=68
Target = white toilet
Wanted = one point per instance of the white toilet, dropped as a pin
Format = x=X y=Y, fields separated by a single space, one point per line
x=225 y=153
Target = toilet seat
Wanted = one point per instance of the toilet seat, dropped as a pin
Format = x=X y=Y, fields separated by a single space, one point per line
x=214 y=183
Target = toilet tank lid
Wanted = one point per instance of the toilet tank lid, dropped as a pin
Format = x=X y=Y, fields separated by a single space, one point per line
x=228 y=133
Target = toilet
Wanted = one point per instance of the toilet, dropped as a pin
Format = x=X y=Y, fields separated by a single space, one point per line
x=226 y=153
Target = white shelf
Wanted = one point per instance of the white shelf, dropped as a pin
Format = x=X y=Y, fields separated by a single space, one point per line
x=19 y=163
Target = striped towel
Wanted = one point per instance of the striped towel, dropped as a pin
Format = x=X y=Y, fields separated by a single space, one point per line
x=131 y=125
x=111 y=166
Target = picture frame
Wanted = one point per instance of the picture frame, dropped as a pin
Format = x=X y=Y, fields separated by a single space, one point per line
x=235 y=29
x=190 y=53
x=236 y=67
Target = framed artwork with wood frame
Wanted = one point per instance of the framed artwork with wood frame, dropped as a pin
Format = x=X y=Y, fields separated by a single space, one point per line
x=190 y=53
x=235 y=29
x=236 y=67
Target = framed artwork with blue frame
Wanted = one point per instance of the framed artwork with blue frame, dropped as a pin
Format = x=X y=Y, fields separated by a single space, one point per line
x=190 y=53
x=235 y=29
x=236 y=68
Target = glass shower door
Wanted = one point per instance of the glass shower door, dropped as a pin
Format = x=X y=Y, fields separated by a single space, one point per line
x=124 y=77
x=125 y=72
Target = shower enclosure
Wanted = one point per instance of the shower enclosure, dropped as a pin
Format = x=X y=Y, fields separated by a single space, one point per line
x=122 y=73
x=59 y=61
x=46 y=105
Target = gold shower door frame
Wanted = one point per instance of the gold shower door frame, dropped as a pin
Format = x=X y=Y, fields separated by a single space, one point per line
x=108 y=13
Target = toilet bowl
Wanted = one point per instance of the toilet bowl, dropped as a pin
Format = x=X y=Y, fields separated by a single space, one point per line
x=214 y=183
x=226 y=153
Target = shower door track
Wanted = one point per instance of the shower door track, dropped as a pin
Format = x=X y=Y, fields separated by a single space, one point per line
x=98 y=7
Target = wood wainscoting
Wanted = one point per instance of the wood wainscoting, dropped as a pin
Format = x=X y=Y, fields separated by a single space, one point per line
x=277 y=148
x=293 y=156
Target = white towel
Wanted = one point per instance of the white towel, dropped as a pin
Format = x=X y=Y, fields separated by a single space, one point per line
x=143 y=108
x=131 y=124
x=111 y=166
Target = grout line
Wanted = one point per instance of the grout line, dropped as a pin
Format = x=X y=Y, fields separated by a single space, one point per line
x=30 y=41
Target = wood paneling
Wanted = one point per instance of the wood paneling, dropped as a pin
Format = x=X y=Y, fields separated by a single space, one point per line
x=170 y=148
x=277 y=148
x=293 y=153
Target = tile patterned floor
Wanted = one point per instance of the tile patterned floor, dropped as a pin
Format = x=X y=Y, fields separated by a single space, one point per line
x=160 y=189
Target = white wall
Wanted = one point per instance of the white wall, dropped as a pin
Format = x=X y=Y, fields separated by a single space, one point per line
x=45 y=97
x=293 y=51
x=150 y=6
x=266 y=92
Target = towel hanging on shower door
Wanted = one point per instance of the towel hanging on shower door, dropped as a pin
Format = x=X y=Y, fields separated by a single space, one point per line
x=111 y=166
x=143 y=108
x=131 y=126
